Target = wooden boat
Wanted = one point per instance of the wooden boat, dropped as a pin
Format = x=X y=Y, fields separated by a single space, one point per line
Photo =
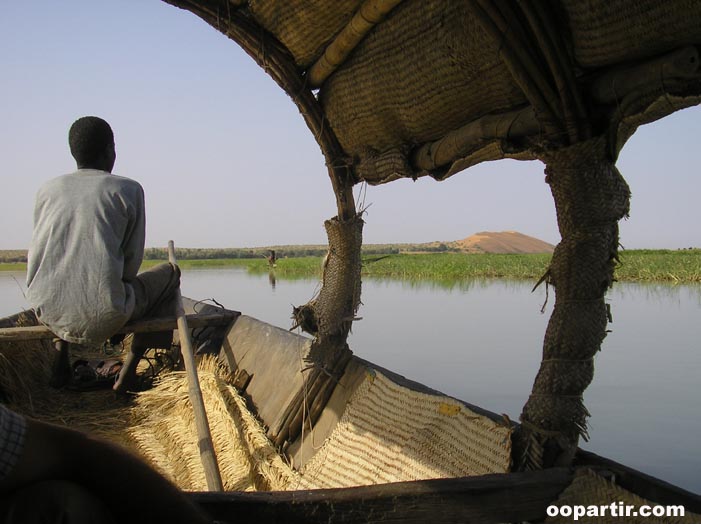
x=395 y=89
x=387 y=448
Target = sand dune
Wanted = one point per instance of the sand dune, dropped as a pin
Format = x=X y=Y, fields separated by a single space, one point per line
x=502 y=242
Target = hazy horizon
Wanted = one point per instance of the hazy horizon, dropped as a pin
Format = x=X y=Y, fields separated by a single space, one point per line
x=324 y=243
x=226 y=160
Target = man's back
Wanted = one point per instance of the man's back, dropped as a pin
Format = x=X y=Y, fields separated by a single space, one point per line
x=87 y=247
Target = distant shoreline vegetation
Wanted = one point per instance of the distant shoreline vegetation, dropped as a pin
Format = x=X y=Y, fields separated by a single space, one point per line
x=405 y=261
x=9 y=256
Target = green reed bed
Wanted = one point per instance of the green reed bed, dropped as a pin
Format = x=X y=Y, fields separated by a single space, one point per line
x=681 y=266
x=13 y=266
x=444 y=266
x=457 y=266
x=635 y=266
x=646 y=265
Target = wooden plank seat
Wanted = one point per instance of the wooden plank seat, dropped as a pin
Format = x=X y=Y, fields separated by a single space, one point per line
x=61 y=367
x=140 y=326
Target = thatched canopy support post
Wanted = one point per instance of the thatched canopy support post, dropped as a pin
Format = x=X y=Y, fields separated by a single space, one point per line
x=590 y=198
x=329 y=317
x=340 y=294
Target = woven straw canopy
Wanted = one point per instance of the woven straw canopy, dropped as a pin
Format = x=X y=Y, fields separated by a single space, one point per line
x=414 y=87
x=407 y=88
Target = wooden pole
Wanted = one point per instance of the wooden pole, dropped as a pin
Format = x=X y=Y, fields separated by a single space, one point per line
x=370 y=13
x=207 y=455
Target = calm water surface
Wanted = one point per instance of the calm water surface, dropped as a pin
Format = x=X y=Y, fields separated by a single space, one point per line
x=481 y=342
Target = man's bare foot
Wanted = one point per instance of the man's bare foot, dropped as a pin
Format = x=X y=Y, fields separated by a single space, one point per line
x=127 y=379
x=125 y=385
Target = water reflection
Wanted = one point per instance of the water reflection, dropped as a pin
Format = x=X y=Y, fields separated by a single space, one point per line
x=481 y=340
x=449 y=284
x=12 y=292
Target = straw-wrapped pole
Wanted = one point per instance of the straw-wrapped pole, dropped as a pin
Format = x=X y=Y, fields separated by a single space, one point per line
x=207 y=455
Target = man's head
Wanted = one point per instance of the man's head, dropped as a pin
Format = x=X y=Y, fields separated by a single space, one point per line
x=92 y=143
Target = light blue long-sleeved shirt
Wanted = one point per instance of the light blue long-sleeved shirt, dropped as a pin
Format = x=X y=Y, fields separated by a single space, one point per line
x=87 y=246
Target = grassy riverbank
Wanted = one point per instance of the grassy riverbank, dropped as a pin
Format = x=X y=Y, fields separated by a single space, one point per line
x=636 y=266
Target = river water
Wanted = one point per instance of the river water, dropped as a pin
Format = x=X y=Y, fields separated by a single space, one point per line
x=480 y=341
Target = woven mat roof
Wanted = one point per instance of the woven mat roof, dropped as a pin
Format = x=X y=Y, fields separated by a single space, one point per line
x=409 y=88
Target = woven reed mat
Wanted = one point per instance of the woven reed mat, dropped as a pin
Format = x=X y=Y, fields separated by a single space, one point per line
x=166 y=435
x=390 y=433
x=158 y=425
x=602 y=31
x=590 y=489
x=439 y=84
x=304 y=26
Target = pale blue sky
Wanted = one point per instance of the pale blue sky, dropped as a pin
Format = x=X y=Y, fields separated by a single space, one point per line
x=226 y=159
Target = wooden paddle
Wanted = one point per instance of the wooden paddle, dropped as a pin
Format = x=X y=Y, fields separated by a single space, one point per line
x=207 y=454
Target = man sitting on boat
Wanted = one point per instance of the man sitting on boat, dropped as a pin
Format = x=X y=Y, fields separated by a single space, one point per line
x=87 y=247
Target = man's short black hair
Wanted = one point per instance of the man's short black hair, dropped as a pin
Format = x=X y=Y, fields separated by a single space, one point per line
x=88 y=138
